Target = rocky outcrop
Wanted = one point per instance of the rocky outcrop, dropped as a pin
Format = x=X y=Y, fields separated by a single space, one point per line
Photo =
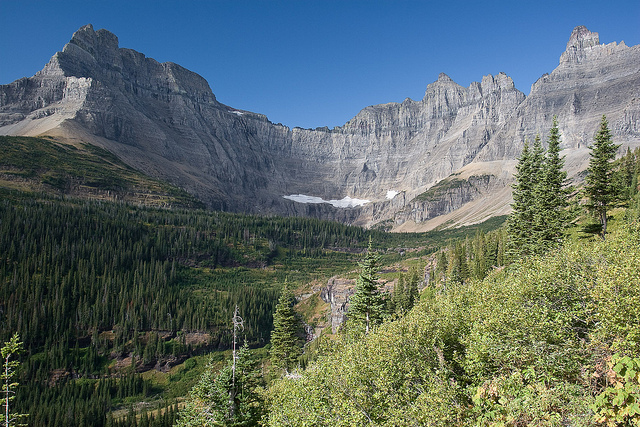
x=337 y=293
x=582 y=44
x=447 y=196
x=165 y=121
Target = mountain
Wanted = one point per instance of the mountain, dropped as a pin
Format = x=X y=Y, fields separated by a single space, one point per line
x=444 y=160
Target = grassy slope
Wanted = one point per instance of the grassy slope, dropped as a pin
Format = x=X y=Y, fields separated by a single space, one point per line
x=87 y=171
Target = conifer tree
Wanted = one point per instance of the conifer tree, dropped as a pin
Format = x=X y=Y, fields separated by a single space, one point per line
x=411 y=289
x=285 y=339
x=405 y=292
x=600 y=187
x=627 y=169
x=539 y=219
x=366 y=306
x=520 y=220
x=480 y=253
x=8 y=351
x=398 y=302
x=550 y=196
x=626 y=175
x=208 y=403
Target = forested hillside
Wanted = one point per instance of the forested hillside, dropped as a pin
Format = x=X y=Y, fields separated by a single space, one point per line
x=85 y=283
x=116 y=301
x=121 y=306
x=81 y=170
x=530 y=345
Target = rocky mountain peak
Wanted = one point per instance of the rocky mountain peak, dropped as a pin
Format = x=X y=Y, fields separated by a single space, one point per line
x=95 y=42
x=500 y=82
x=442 y=78
x=88 y=54
x=580 y=44
x=96 y=55
x=443 y=90
x=582 y=38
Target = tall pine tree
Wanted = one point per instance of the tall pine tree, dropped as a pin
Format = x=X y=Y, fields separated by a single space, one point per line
x=405 y=293
x=520 y=222
x=285 y=338
x=411 y=289
x=539 y=204
x=366 y=306
x=398 y=301
x=600 y=187
x=550 y=196
x=626 y=175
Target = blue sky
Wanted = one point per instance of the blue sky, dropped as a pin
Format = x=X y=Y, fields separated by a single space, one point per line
x=317 y=63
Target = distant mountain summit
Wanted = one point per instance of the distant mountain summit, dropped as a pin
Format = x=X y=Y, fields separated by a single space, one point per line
x=581 y=41
x=446 y=159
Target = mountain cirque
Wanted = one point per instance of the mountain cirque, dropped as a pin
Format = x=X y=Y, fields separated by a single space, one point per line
x=444 y=160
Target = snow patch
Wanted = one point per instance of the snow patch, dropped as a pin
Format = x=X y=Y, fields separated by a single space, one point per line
x=346 y=202
x=239 y=113
x=392 y=193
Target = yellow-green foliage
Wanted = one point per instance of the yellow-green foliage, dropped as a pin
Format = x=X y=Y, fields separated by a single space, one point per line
x=387 y=378
x=615 y=292
x=521 y=347
x=619 y=403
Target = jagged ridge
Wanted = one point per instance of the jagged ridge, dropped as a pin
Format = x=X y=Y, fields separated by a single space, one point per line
x=165 y=121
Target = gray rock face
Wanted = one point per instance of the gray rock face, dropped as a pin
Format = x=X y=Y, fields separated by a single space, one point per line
x=337 y=293
x=591 y=80
x=165 y=121
x=160 y=118
x=447 y=196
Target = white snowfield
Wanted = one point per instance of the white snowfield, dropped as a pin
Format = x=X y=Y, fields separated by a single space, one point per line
x=392 y=193
x=346 y=202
